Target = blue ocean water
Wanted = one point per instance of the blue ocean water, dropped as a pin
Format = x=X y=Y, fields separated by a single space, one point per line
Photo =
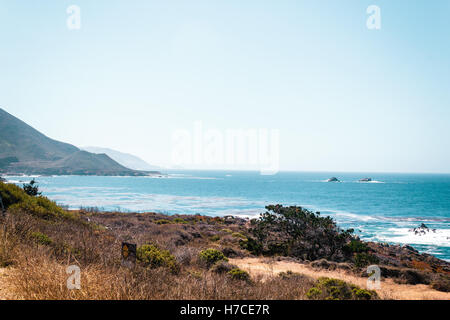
x=382 y=210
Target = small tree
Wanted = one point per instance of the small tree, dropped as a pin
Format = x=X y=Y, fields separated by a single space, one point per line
x=295 y=231
x=31 y=189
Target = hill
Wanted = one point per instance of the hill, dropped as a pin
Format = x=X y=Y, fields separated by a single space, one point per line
x=24 y=150
x=125 y=159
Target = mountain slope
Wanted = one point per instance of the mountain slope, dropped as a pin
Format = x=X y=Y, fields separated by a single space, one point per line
x=125 y=159
x=19 y=140
x=24 y=150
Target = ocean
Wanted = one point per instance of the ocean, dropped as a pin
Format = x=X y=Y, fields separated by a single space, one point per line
x=385 y=209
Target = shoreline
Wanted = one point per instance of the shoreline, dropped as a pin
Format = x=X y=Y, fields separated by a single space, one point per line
x=186 y=256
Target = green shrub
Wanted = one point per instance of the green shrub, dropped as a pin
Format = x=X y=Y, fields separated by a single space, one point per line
x=211 y=256
x=238 y=274
x=296 y=231
x=153 y=257
x=41 y=238
x=215 y=237
x=15 y=199
x=362 y=294
x=364 y=259
x=356 y=246
x=163 y=221
x=238 y=235
x=251 y=245
x=179 y=221
x=335 y=289
x=227 y=230
x=31 y=189
x=314 y=293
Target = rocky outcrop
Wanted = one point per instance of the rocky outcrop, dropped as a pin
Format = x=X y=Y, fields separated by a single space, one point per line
x=333 y=179
x=422 y=230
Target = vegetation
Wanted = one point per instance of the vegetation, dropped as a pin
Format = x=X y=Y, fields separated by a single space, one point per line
x=442 y=284
x=31 y=189
x=364 y=259
x=335 y=289
x=295 y=231
x=16 y=199
x=41 y=238
x=150 y=255
x=222 y=267
x=25 y=150
x=211 y=256
x=238 y=235
x=171 y=257
x=215 y=237
x=238 y=274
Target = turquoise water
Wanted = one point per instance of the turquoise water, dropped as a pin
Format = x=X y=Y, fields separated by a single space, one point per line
x=382 y=210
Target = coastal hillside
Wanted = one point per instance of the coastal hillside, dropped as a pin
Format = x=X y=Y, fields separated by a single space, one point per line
x=24 y=150
x=125 y=159
x=288 y=253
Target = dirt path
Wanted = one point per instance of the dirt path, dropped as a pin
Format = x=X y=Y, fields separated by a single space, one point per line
x=5 y=292
x=388 y=290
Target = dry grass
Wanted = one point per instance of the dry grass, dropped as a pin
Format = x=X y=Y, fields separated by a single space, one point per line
x=389 y=289
x=38 y=276
x=38 y=271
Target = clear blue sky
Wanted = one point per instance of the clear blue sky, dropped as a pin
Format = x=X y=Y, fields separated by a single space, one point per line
x=344 y=98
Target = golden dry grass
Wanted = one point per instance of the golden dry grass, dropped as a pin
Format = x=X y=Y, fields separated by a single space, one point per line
x=38 y=271
x=389 y=289
x=40 y=277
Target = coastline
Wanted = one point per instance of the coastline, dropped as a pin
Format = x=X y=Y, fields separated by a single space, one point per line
x=186 y=256
x=223 y=193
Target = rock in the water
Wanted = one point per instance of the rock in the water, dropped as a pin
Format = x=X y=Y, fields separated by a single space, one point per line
x=333 y=179
x=365 y=180
x=421 y=230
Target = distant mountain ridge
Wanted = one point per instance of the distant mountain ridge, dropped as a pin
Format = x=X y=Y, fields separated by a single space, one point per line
x=125 y=159
x=24 y=150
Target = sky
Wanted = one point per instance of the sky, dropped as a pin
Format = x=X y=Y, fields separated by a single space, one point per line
x=342 y=97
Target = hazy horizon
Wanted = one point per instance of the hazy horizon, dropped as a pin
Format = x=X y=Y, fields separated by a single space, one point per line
x=343 y=98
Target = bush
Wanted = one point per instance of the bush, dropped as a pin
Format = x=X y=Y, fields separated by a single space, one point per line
x=153 y=257
x=41 y=238
x=222 y=267
x=238 y=274
x=364 y=259
x=215 y=238
x=15 y=199
x=179 y=221
x=238 y=235
x=163 y=221
x=356 y=246
x=442 y=284
x=211 y=256
x=314 y=293
x=251 y=245
x=295 y=231
x=31 y=189
x=335 y=289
